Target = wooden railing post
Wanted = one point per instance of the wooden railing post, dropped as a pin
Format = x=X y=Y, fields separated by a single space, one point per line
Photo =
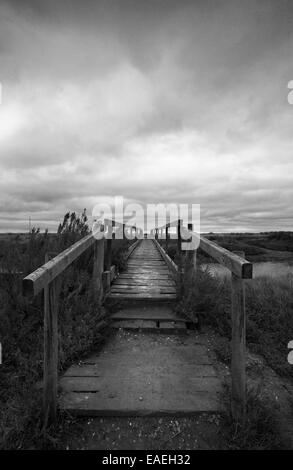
x=108 y=257
x=98 y=269
x=50 y=365
x=167 y=238
x=190 y=264
x=238 y=372
x=180 y=267
x=179 y=236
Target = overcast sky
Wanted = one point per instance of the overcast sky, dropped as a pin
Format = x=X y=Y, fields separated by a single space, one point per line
x=155 y=100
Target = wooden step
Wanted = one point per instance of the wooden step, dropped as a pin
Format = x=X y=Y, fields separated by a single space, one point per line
x=159 y=314
x=151 y=326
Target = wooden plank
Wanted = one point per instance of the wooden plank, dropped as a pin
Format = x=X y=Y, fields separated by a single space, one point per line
x=141 y=282
x=194 y=370
x=145 y=278
x=143 y=287
x=142 y=315
x=50 y=352
x=143 y=295
x=96 y=384
x=238 y=374
x=89 y=404
x=155 y=264
x=138 y=291
x=36 y=281
x=147 y=270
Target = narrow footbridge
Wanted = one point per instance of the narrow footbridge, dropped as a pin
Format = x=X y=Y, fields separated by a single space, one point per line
x=147 y=276
x=142 y=370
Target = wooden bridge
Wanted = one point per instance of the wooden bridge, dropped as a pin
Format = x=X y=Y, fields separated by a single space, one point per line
x=138 y=373
x=147 y=276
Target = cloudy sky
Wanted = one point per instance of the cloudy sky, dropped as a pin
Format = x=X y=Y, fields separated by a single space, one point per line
x=155 y=100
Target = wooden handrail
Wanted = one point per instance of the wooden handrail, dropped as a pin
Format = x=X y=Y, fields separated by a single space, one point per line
x=36 y=281
x=232 y=261
x=132 y=248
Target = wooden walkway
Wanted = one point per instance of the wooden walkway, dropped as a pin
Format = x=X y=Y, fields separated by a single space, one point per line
x=139 y=372
x=147 y=276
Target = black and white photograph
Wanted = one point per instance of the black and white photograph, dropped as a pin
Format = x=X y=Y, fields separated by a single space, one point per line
x=146 y=228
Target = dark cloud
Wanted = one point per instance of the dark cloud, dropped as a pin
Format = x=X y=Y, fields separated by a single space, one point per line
x=159 y=101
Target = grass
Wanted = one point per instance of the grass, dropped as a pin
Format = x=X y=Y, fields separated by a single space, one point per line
x=269 y=310
x=260 y=430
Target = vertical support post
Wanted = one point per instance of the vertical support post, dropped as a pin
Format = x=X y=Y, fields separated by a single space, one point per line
x=156 y=233
x=108 y=261
x=98 y=269
x=238 y=372
x=179 y=236
x=180 y=267
x=113 y=229
x=167 y=237
x=50 y=367
x=190 y=265
x=108 y=257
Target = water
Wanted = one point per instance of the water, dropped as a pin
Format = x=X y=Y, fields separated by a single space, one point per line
x=268 y=268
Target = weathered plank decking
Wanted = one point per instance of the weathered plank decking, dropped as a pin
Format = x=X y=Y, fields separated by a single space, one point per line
x=143 y=374
x=147 y=276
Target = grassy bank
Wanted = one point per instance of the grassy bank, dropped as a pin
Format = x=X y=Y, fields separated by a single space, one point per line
x=269 y=309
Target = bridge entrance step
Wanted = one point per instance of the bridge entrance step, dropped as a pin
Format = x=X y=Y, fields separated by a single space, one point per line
x=149 y=318
x=152 y=326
